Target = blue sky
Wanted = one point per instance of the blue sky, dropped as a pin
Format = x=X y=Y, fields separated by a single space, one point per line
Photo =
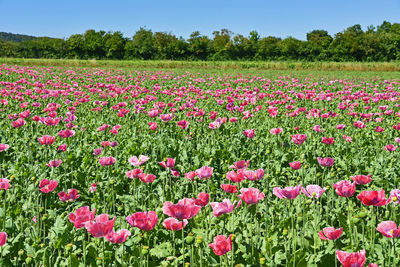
x=58 y=18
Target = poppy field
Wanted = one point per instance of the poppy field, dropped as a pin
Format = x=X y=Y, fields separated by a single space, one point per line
x=107 y=167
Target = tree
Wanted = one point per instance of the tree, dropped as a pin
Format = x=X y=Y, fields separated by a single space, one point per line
x=114 y=45
x=199 y=46
x=142 y=45
x=94 y=44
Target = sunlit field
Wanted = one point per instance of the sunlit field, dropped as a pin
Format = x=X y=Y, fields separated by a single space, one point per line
x=199 y=166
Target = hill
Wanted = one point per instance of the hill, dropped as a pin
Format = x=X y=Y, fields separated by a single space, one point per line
x=12 y=37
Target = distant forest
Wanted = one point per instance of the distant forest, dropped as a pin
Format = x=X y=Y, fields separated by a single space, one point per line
x=381 y=43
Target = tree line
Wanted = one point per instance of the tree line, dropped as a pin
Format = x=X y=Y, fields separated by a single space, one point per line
x=381 y=43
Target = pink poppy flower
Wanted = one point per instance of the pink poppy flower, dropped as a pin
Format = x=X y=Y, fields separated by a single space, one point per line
x=313 y=191
x=202 y=199
x=97 y=151
x=4 y=184
x=166 y=117
x=135 y=161
x=118 y=237
x=185 y=209
x=54 y=163
x=66 y=133
x=46 y=140
x=18 y=123
x=183 y=124
x=143 y=220
x=379 y=129
x=345 y=188
x=295 y=165
x=235 y=177
x=351 y=259
x=204 y=172
x=330 y=233
x=223 y=207
x=389 y=229
x=288 y=192
x=173 y=224
x=241 y=164
x=3 y=238
x=221 y=245
x=326 y=162
x=254 y=175
x=190 y=176
x=390 y=147
x=276 y=131
x=251 y=195
x=318 y=129
x=101 y=227
x=340 y=126
x=328 y=140
x=4 y=147
x=81 y=216
x=106 y=161
x=47 y=186
x=359 y=124
x=299 y=139
x=146 y=178
x=228 y=188
x=93 y=187
x=153 y=126
x=134 y=173
x=62 y=148
x=361 y=179
x=347 y=138
x=249 y=133
x=70 y=196
x=373 y=198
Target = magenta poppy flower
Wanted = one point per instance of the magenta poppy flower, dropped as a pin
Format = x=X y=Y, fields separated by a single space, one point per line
x=390 y=147
x=135 y=161
x=183 y=124
x=185 y=209
x=328 y=140
x=395 y=196
x=143 y=220
x=313 y=191
x=373 y=198
x=340 y=126
x=101 y=227
x=118 y=237
x=330 y=233
x=190 y=176
x=4 y=147
x=3 y=238
x=276 y=131
x=204 y=172
x=62 y=148
x=47 y=186
x=202 y=199
x=223 y=207
x=249 y=133
x=345 y=188
x=97 y=151
x=146 y=178
x=18 y=123
x=251 y=195
x=173 y=224
x=4 y=184
x=107 y=161
x=389 y=229
x=318 y=129
x=361 y=179
x=299 y=139
x=46 y=140
x=153 y=126
x=66 y=133
x=295 y=165
x=359 y=124
x=236 y=177
x=166 y=117
x=228 y=188
x=288 y=192
x=221 y=245
x=351 y=259
x=81 y=216
x=326 y=162
x=70 y=196
x=54 y=163
x=241 y=164
x=134 y=173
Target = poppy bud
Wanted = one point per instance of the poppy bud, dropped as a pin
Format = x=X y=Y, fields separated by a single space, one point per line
x=285 y=232
x=199 y=239
x=262 y=261
x=28 y=260
x=145 y=250
x=189 y=240
x=21 y=252
x=68 y=247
